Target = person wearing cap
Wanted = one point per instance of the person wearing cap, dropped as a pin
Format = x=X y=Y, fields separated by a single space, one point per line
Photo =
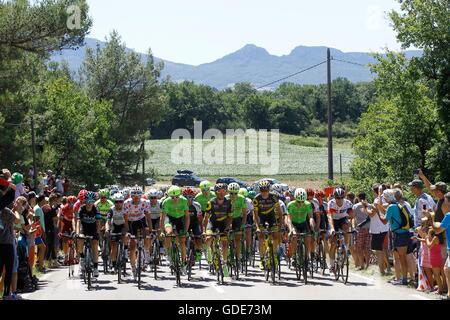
x=424 y=201
x=441 y=227
x=40 y=224
x=17 y=179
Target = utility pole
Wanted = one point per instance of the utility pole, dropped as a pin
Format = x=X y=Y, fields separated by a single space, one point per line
x=143 y=165
x=33 y=144
x=330 y=119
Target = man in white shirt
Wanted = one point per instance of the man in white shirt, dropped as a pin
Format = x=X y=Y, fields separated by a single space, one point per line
x=424 y=201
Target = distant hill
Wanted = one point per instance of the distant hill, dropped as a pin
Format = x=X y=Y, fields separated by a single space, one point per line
x=255 y=65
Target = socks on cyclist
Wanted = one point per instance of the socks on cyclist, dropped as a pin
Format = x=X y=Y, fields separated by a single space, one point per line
x=95 y=265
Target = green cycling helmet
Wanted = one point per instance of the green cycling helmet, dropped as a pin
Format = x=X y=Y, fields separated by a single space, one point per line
x=17 y=178
x=174 y=191
x=103 y=193
x=233 y=187
x=205 y=185
x=251 y=194
x=243 y=192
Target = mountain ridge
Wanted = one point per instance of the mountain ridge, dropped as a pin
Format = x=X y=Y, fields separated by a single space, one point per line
x=253 y=64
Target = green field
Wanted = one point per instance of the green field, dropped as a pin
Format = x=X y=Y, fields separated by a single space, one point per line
x=295 y=158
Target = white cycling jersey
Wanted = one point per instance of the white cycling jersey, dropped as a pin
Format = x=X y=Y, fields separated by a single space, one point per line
x=136 y=212
x=339 y=212
x=117 y=217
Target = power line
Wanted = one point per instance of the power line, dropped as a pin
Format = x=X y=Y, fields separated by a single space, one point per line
x=291 y=75
x=350 y=62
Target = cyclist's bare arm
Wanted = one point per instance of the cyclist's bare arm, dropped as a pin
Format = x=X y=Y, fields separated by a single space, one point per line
x=187 y=221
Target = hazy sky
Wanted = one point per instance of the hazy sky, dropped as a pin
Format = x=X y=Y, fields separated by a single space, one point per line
x=201 y=31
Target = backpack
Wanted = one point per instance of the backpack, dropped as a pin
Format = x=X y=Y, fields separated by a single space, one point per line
x=407 y=220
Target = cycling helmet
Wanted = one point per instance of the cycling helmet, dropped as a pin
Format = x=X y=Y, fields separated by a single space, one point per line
x=205 y=185
x=114 y=190
x=160 y=194
x=320 y=194
x=17 y=178
x=339 y=193
x=251 y=194
x=300 y=194
x=118 y=197
x=82 y=194
x=278 y=188
x=243 y=192
x=90 y=197
x=188 y=192
x=219 y=186
x=153 y=193
x=104 y=193
x=174 y=191
x=233 y=187
x=264 y=185
x=136 y=191
x=310 y=192
x=71 y=199
x=126 y=192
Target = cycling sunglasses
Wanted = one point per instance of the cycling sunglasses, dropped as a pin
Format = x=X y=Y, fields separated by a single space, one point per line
x=119 y=201
x=175 y=197
x=339 y=198
x=153 y=197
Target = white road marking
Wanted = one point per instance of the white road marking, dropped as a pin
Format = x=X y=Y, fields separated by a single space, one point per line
x=371 y=280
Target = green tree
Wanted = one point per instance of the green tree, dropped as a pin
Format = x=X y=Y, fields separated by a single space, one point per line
x=424 y=24
x=132 y=86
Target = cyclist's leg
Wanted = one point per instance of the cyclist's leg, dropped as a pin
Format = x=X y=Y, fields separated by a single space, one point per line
x=237 y=236
x=133 y=231
x=261 y=242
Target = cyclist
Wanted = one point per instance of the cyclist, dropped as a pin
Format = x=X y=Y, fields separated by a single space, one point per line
x=239 y=208
x=324 y=224
x=195 y=216
x=218 y=217
x=126 y=193
x=117 y=222
x=316 y=215
x=339 y=211
x=80 y=202
x=66 y=217
x=249 y=222
x=155 y=207
x=103 y=206
x=138 y=212
x=300 y=220
x=205 y=195
x=175 y=215
x=267 y=209
x=87 y=221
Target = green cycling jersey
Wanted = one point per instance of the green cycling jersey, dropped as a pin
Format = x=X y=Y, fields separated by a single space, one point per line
x=299 y=214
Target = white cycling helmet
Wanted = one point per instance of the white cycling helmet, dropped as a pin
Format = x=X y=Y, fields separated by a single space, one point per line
x=136 y=191
x=153 y=193
x=300 y=194
x=118 y=197
x=278 y=188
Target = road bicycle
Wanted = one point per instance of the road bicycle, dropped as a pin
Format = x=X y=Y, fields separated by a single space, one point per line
x=121 y=258
x=71 y=253
x=88 y=261
x=175 y=258
x=341 y=263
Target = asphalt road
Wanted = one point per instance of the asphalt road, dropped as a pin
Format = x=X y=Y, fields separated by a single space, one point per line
x=56 y=285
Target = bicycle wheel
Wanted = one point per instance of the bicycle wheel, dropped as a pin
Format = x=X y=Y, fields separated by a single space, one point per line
x=139 y=268
x=176 y=262
x=155 y=253
x=337 y=264
x=191 y=259
x=323 y=258
x=218 y=263
x=303 y=263
x=344 y=266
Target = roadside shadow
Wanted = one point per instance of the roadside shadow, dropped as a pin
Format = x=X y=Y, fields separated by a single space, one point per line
x=358 y=284
x=152 y=288
x=240 y=284
x=192 y=285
